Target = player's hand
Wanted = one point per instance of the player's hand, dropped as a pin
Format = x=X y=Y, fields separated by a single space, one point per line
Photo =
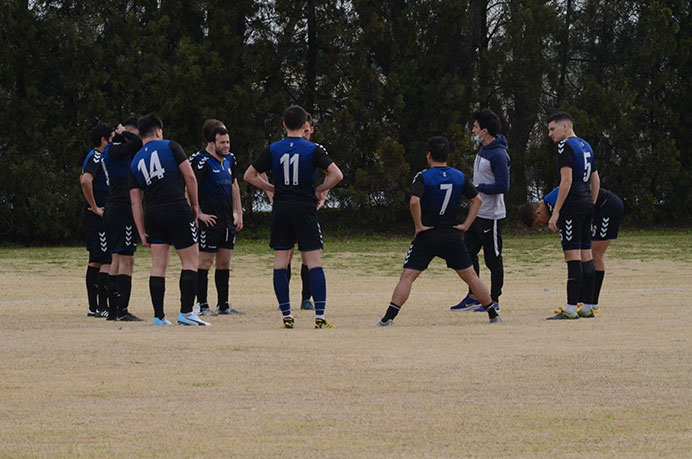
x=461 y=227
x=98 y=211
x=120 y=129
x=238 y=221
x=270 y=196
x=143 y=238
x=209 y=220
x=321 y=198
x=420 y=229
x=552 y=223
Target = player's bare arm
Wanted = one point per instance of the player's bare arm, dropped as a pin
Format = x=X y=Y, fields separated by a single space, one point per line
x=270 y=194
x=333 y=176
x=416 y=215
x=87 y=182
x=138 y=214
x=253 y=178
x=191 y=185
x=565 y=185
x=476 y=202
x=237 y=207
x=595 y=184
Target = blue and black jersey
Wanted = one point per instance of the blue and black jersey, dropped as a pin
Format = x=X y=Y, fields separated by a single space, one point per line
x=440 y=190
x=215 y=184
x=294 y=162
x=116 y=165
x=577 y=154
x=155 y=170
x=92 y=165
x=551 y=198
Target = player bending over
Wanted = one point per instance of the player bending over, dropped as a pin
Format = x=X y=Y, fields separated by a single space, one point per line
x=435 y=200
x=608 y=212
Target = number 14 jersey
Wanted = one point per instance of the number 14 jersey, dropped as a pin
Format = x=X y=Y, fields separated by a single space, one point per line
x=155 y=170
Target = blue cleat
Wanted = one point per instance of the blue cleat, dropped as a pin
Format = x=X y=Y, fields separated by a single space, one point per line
x=163 y=321
x=466 y=304
x=480 y=308
x=191 y=319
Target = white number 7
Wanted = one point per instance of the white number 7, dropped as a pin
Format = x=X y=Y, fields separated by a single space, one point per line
x=448 y=194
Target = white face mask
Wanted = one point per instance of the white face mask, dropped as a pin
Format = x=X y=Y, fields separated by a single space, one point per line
x=478 y=138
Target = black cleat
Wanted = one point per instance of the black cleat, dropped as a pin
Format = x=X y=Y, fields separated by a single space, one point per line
x=127 y=317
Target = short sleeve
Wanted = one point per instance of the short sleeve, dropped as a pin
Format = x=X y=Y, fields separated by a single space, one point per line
x=565 y=155
x=178 y=152
x=470 y=191
x=133 y=183
x=263 y=162
x=93 y=166
x=200 y=168
x=322 y=159
x=418 y=187
x=234 y=167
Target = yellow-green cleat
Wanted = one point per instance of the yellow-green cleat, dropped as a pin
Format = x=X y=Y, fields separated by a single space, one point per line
x=288 y=322
x=564 y=315
x=323 y=323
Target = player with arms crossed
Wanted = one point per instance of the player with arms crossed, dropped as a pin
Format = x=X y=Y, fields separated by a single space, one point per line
x=608 y=212
x=159 y=172
x=573 y=211
x=221 y=216
x=435 y=200
x=95 y=190
x=294 y=162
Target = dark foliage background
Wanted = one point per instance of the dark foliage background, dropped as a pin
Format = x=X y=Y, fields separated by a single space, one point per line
x=379 y=77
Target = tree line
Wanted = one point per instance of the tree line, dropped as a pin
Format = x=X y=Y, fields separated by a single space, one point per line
x=379 y=77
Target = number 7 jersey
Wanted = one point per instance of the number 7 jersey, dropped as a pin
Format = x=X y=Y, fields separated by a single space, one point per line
x=294 y=162
x=440 y=190
x=155 y=170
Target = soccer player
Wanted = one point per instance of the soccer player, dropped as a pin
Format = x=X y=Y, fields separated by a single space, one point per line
x=294 y=162
x=305 y=303
x=435 y=198
x=221 y=217
x=573 y=211
x=160 y=172
x=120 y=227
x=95 y=190
x=491 y=178
x=608 y=212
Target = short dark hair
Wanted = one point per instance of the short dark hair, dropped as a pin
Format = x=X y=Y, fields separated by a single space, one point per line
x=559 y=116
x=487 y=119
x=218 y=130
x=527 y=213
x=438 y=147
x=207 y=127
x=131 y=121
x=294 y=117
x=101 y=130
x=148 y=124
x=309 y=119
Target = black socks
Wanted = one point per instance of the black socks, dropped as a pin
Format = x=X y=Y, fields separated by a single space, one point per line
x=221 y=277
x=574 y=275
x=391 y=313
x=157 y=289
x=202 y=284
x=92 y=286
x=188 y=289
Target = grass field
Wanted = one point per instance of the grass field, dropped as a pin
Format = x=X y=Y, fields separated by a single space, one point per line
x=437 y=384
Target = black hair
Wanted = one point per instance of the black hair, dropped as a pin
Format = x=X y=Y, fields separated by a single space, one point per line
x=438 y=147
x=131 y=121
x=559 y=116
x=487 y=119
x=101 y=130
x=208 y=125
x=148 y=124
x=527 y=213
x=294 y=117
x=218 y=130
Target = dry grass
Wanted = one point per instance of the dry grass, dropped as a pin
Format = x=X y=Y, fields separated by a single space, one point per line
x=437 y=384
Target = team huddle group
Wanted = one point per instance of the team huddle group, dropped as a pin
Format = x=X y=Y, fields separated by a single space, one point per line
x=140 y=187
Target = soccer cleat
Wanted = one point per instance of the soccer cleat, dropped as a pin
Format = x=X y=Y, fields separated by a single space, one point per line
x=586 y=314
x=307 y=305
x=289 y=322
x=466 y=304
x=191 y=319
x=111 y=315
x=482 y=309
x=323 y=323
x=93 y=313
x=197 y=308
x=564 y=315
x=127 y=317
x=207 y=312
x=226 y=309
x=596 y=309
x=562 y=309
x=102 y=313
x=163 y=321
x=495 y=320
x=385 y=323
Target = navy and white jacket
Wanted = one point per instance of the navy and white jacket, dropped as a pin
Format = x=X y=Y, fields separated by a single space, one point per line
x=491 y=176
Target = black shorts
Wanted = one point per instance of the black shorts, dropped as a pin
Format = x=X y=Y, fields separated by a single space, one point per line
x=295 y=221
x=96 y=240
x=606 y=219
x=171 y=224
x=446 y=243
x=574 y=226
x=121 y=230
x=215 y=238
